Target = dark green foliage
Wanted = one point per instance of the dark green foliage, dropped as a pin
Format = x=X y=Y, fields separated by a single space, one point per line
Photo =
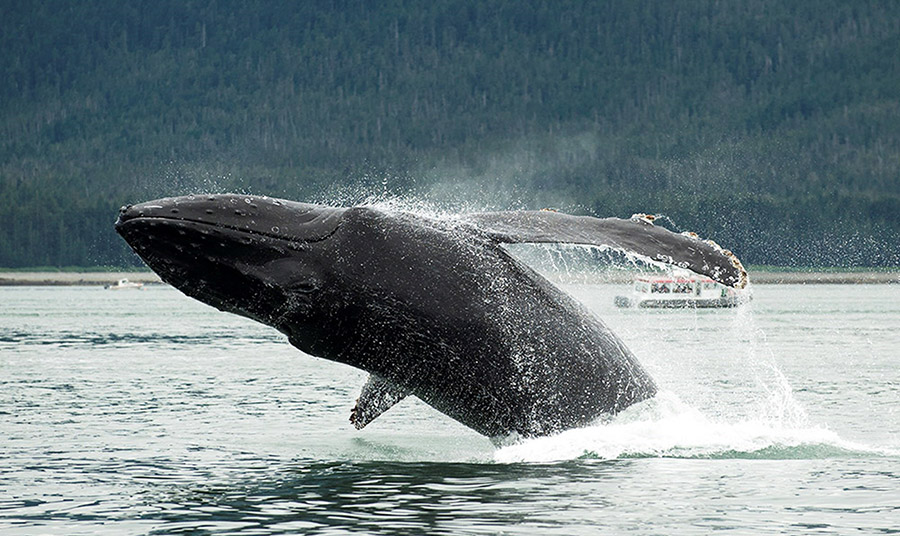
x=770 y=126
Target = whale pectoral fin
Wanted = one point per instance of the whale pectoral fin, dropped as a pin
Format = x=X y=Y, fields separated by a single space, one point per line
x=637 y=236
x=378 y=395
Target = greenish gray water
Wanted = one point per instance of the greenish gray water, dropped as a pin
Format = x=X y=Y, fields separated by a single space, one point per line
x=147 y=412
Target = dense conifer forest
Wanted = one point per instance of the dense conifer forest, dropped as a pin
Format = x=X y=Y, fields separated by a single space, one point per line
x=770 y=126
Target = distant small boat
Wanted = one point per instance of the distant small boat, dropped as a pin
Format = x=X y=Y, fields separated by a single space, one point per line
x=124 y=284
x=681 y=292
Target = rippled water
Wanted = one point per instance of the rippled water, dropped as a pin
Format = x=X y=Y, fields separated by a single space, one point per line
x=147 y=412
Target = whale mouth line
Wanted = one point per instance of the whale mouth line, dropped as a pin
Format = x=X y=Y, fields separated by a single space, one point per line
x=190 y=222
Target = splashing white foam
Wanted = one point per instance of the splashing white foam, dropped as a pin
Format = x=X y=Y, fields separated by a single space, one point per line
x=667 y=427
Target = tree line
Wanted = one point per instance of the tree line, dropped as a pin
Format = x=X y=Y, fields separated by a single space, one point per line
x=772 y=127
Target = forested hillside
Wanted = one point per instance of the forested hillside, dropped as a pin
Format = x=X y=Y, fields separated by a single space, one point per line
x=771 y=126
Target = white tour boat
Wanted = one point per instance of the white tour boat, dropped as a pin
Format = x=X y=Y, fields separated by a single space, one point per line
x=676 y=292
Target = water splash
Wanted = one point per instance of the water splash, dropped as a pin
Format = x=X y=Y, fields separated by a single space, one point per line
x=666 y=427
x=774 y=399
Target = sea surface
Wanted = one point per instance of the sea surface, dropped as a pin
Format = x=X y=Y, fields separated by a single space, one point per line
x=145 y=412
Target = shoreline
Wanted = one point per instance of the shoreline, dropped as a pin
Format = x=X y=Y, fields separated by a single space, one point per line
x=69 y=279
x=756 y=278
x=824 y=278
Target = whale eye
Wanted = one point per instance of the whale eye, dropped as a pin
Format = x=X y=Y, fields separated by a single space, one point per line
x=306 y=286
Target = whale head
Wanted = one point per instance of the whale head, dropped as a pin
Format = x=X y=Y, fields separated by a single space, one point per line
x=259 y=257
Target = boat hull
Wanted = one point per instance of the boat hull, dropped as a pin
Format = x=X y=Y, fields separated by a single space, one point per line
x=685 y=303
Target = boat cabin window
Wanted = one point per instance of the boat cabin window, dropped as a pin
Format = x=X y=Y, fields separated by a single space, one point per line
x=659 y=288
x=668 y=287
x=682 y=288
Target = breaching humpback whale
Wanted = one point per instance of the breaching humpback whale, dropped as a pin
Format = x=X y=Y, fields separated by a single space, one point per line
x=430 y=307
